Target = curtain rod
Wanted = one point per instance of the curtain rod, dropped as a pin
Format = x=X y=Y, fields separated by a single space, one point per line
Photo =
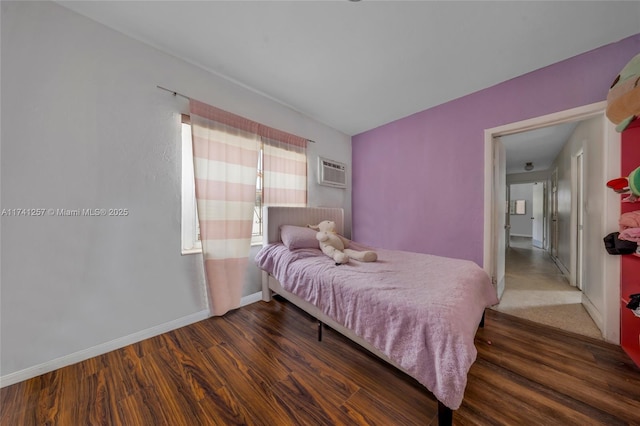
x=174 y=92
x=186 y=97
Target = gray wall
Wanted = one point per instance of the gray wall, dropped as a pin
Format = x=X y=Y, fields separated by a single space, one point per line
x=521 y=225
x=84 y=127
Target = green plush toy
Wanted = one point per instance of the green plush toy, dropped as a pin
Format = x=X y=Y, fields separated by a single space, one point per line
x=624 y=185
x=623 y=99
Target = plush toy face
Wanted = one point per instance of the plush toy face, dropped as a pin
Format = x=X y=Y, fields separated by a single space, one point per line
x=326 y=226
x=623 y=99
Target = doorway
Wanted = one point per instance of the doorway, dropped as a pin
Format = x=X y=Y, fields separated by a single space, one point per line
x=531 y=220
x=607 y=270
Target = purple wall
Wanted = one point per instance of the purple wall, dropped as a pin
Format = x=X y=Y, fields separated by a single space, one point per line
x=418 y=182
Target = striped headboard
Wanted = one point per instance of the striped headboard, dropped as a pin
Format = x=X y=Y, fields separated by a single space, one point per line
x=273 y=217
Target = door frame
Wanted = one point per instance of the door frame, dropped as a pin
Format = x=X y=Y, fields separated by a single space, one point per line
x=577 y=218
x=553 y=216
x=500 y=212
x=611 y=140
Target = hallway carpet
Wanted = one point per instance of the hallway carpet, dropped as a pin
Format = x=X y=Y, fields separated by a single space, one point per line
x=536 y=290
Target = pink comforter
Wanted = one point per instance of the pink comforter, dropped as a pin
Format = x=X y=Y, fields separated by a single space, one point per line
x=422 y=311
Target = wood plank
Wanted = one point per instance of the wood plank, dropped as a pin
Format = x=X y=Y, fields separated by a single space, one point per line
x=145 y=407
x=529 y=401
x=364 y=408
x=308 y=402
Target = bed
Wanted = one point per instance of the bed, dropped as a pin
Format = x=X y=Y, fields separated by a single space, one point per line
x=416 y=311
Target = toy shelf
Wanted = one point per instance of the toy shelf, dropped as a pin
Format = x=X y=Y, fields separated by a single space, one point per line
x=630 y=264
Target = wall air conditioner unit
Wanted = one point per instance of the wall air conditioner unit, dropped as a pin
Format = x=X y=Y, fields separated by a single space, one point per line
x=332 y=173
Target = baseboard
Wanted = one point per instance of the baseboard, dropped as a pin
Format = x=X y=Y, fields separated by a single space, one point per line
x=251 y=298
x=562 y=268
x=595 y=315
x=28 y=373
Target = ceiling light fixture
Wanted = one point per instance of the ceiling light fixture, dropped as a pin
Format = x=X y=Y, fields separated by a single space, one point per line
x=528 y=167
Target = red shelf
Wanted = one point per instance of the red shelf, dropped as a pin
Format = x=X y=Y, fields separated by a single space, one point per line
x=634 y=354
x=630 y=266
x=630 y=334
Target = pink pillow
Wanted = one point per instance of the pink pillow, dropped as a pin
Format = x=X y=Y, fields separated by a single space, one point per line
x=295 y=237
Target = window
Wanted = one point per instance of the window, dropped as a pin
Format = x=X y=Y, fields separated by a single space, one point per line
x=190 y=226
x=256 y=233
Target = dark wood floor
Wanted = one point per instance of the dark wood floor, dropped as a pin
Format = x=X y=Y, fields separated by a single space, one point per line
x=262 y=365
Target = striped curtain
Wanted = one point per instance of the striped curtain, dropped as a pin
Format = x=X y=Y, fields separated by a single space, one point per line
x=226 y=149
x=285 y=171
x=225 y=155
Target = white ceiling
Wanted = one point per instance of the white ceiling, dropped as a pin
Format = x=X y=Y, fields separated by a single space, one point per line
x=358 y=65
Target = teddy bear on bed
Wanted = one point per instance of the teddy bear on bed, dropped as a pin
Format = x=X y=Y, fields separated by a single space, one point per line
x=335 y=245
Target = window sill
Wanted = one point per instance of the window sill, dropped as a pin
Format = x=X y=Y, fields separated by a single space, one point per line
x=199 y=250
x=192 y=251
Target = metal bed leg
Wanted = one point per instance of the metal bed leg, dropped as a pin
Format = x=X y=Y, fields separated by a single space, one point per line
x=319 y=331
x=445 y=415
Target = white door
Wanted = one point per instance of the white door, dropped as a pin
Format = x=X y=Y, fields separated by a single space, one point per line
x=554 y=213
x=507 y=218
x=500 y=210
x=537 y=215
x=580 y=219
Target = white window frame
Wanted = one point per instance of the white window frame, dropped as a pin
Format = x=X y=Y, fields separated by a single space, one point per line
x=191 y=243
x=256 y=235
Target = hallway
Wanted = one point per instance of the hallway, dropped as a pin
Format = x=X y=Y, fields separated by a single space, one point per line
x=536 y=290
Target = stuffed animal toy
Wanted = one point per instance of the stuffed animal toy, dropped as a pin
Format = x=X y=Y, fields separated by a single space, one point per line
x=631 y=184
x=623 y=99
x=335 y=245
